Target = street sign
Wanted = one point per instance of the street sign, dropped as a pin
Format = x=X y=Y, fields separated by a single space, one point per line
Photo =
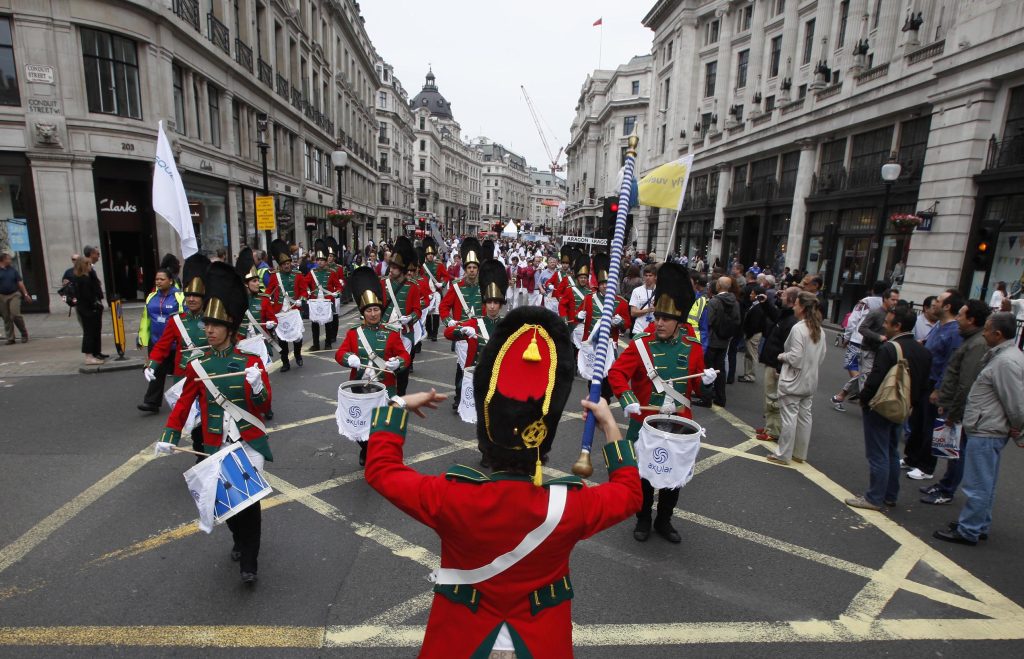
x=585 y=241
x=265 y=213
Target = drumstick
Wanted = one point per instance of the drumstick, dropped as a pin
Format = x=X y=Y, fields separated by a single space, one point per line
x=178 y=449
x=689 y=377
x=222 y=375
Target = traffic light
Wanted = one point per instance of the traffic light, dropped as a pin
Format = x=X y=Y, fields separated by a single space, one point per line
x=985 y=248
x=610 y=210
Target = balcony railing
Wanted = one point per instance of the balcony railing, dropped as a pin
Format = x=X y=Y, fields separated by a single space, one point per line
x=296 y=98
x=282 y=86
x=758 y=190
x=832 y=90
x=698 y=201
x=873 y=73
x=243 y=55
x=1007 y=152
x=188 y=11
x=931 y=50
x=266 y=73
x=383 y=140
x=218 y=33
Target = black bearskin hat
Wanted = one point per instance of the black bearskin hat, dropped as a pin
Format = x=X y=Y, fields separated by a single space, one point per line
x=673 y=294
x=245 y=265
x=365 y=287
x=193 y=275
x=403 y=253
x=493 y=281
x=429 y=245
x=487 y=250
x=601 y=263
x=567 y=254
x=470 y=251
x=521 y=385
x=319 y=249
x=226 y=297
x=332 y=245
x=279 y=251
x=580 y=264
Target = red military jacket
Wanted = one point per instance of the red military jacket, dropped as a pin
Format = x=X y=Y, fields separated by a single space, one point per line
x=330 y=281
x=451 y=306
x=628 y=375
x=621 y=310
x=478 y=342
x=384 y=342
x=440 y=275
x=569 y=304
x=298 y=290
x=479 y=518
x=172 y=337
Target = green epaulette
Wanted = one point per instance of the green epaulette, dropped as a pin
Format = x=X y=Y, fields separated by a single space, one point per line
x=641 y=335
x=568 y=481
x=466 y=474
x=692 y=339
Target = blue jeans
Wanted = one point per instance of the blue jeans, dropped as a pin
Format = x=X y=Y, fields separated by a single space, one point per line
x=881 y=445
x=954 y=470
x=981 y=469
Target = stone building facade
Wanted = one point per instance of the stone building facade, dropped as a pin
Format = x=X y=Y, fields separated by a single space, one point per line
x=91 y=79
x=506 y=184
x=547 y=199
x=792 y=107
x=395 y=139
x=613 y=104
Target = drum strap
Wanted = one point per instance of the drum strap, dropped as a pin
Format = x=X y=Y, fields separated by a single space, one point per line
x=255 y=323
x=183 y=333
x=482 y=324
x=286 y=300
x=319 y=287
x=236 y=412
x=557 y=495
x=374 y=357
x=462 y=300
x=430 y=275
x=395 y=313
x=659 y=384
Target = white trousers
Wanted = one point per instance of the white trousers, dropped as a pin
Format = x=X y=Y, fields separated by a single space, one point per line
x=795 y=435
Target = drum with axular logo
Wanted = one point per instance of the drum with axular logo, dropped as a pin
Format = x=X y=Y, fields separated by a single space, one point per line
x=666 y=450
x=289 y=326
x=320 y=310
x=356 y=401
x=467 y=404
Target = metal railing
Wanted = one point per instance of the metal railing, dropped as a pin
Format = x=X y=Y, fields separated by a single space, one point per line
x=383 y=140
x=282 y=86
x=1007 y=152
x=243 y=55
x=758 y=190
x=828 y=91
x=218 y=33
x=188 y=11
x=266 y=73
x=296 y=98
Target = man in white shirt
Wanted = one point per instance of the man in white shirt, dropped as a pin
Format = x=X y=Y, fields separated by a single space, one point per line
x=926 y=319
x=641 y=302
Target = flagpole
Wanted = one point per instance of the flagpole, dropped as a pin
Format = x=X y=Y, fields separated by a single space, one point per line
x=600 y=43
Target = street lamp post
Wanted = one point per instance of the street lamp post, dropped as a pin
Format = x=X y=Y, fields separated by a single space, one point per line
x=340 y=160
x=890 y=172
x=261 y=142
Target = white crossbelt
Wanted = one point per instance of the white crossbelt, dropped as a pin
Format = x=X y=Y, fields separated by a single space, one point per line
x=373 y=356
x=394 y=302
x=286 y=300
x=189 y=344
x=462 y=300
x=557 y=495
x=234 y=411
x=659 y=384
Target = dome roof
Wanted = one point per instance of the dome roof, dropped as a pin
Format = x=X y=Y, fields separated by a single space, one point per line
x=431 y=99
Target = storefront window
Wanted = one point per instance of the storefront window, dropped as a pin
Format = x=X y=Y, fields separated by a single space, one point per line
x=852 y=260
x=14 y=233
x=1008 y=259
x=814 y=255
x=212 y=222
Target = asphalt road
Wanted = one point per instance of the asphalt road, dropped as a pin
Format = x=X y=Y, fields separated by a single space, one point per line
x=100 y=555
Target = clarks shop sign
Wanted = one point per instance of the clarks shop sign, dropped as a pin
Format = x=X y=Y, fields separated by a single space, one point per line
x=117 y=206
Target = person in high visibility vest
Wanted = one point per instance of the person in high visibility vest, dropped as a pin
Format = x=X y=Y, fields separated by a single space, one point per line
x=161 y=306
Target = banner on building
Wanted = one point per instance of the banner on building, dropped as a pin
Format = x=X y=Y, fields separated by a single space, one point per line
x=666 y=185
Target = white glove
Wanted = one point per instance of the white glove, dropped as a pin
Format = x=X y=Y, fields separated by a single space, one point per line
x=405 y=319
x=254 y=377
x=163 y=448
x=149 y=374
x=668 y=407
x=271 y=324
x=469 y=332
x=451 y=322
x=617 y=321
x=581 y=315
x=353 y=361
x=393 y=364
x=631 y=409
x=710 y=375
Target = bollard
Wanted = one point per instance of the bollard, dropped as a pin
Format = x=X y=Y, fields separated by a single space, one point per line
x=117 y=316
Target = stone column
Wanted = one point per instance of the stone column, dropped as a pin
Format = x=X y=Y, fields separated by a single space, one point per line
x=755 y=65
x=798 y=214
x=723 y=82
x=234 y=238
x=887 y=33
x=724 y=184
x=957 y=149
x=191 y=120
x=228 y=141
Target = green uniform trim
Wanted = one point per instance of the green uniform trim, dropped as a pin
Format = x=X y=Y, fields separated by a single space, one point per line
x=466 y=474
x=484 y=651
x=633 y=431
x=572 y=482
x=628 y=398
x=619 y=454
x=551 y=595
x=389 y=419
x=465 y=595
x=170 y=435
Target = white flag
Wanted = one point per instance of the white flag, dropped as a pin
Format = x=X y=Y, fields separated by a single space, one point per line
x=169 y=199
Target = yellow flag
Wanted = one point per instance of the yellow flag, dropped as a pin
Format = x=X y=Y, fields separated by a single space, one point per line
x=665 y=186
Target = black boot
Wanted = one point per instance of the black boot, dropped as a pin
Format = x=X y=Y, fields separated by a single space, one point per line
x=285 y=366
x=362 y=453
x=665 y=530
x=642 y=530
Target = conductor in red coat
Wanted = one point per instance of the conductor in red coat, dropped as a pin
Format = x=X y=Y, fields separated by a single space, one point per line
x=521 y=386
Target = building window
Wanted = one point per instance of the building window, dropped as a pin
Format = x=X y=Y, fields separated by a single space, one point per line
x=668 y=52
x=421 y=204
x=179 y=98
x=236 y=123
x=769 y=103
x=780 y=6
x=197 y=102
x=9 y=94
x=317 y=166
x=423 y=122
x=423 y=164
x=711 y=32
x=808 y=41
x=307 y=164
x=775 y=57
x=742 y=62
x=382 y=100
x=801 y=92
x=628 y=124
x=877 y=13
x=844 y=15
x=635 y=88
x=710 y=71
x=213 y=101
x=744 y=18
x=111 y=74
x=423 y=145
x=662 y=130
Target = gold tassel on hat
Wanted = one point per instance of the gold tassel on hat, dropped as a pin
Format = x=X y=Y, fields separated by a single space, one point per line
x=532 y=352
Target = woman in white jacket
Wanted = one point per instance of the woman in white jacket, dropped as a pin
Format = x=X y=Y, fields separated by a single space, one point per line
x=803 y=355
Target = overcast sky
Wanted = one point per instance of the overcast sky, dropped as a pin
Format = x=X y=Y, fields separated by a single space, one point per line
x=483 y=50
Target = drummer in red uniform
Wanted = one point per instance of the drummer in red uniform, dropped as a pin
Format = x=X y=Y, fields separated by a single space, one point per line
x=231 y=409
x=324 y=282
x=642 y=378
x=522 y=605
x=372 y=350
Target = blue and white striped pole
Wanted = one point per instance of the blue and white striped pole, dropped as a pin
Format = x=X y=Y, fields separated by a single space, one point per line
x=583 y=467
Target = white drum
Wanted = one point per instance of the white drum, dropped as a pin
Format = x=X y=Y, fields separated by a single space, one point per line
x=435 y=303
x=577 y=335
x=174 y=393
x=255 y=345
x=289 y=326
x=418 y=332
x=667 y=450
x=461 y=352
x=356 y=401
x=587 y=358
x=467 y=404
x=337 y=305
x=321 y=311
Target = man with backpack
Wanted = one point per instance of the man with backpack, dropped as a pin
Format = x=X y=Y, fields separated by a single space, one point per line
x=723 y=326
x=899 y=377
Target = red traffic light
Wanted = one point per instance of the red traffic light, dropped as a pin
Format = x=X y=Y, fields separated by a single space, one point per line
x=614 y=207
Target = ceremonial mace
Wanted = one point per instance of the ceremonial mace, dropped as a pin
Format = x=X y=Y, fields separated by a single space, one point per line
x=584 y=467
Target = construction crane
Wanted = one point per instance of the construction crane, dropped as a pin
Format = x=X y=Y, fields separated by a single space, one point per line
x=553 y=158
